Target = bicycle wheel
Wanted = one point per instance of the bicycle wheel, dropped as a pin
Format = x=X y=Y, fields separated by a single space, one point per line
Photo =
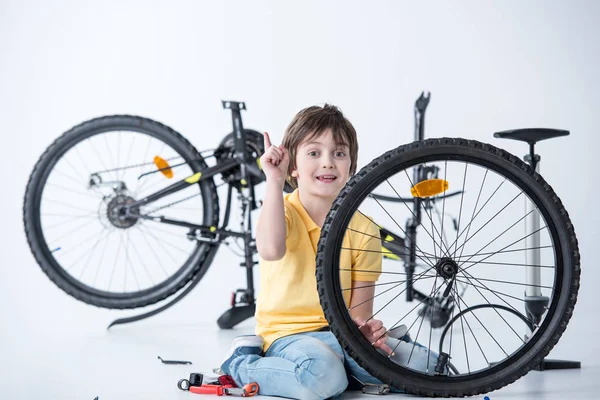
x=75 y=233
x=485 y=252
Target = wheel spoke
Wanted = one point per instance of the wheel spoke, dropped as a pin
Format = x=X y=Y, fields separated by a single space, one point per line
x=424 y=253
x=468 y=283
x=473 y=216
x=94 y=247
x=100 y=262
x=137 y=253
x=115 y=263
x=72 y=190
x=111 y=156
x=129 y=262
x=86 y=239
x=431 y=325
x=385 y=272
x=462 y=247
x=462 y=328
x=57 y=171
x=504 y=248
x=137 y=185
x=508 y=251
x=483 y=326
x=377 y=295
x=399 y=227
x=412 y=212
x=494 y=292
x=511 y=264
x=491 y=219
x=503 y=319
x=89 y=142
x=67 y=205
x=432 y=294
x=462 y=197
x=419 y=277
x=73 y=219
x=154 y=253
x=444 y=212
x=161 y=243
x=70 y=233
x=441 y=219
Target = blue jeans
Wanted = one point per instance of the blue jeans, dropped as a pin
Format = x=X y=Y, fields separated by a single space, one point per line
x=313 y=365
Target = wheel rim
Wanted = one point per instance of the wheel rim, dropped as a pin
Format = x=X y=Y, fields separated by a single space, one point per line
x=430 y=252
x=84 y=239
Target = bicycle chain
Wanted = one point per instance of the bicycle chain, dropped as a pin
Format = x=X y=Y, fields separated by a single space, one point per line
x=173 y=203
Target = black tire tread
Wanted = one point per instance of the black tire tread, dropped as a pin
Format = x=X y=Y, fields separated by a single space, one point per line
x=572 y=296
x=200 y=268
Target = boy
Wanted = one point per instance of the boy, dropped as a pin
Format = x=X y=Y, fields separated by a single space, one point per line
x=302 y=359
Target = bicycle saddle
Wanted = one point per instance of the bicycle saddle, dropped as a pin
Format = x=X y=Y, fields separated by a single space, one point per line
x=531 y=135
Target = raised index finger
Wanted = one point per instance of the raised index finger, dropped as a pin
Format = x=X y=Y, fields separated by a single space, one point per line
x=267 y=141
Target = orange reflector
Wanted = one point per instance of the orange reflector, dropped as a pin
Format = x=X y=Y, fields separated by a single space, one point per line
x=430 y=187
x=163 y=166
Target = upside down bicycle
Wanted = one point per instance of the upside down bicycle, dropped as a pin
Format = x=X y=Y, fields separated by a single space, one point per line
x=123 y=212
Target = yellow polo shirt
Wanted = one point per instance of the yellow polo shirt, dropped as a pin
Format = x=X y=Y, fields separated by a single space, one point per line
x=288 y=301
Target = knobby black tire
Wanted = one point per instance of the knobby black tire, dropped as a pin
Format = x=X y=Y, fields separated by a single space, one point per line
x=530 y=355
x=194 y=265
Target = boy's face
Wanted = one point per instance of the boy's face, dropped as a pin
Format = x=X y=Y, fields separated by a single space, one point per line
x=322 y=166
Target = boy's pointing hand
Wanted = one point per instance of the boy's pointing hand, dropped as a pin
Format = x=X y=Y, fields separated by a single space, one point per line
x=275 y=160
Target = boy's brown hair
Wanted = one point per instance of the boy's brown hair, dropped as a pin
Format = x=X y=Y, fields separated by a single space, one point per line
x=309 y=124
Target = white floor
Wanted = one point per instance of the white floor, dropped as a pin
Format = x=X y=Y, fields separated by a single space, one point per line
x=58 y=348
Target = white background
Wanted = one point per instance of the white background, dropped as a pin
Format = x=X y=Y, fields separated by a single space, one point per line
x=490 y=65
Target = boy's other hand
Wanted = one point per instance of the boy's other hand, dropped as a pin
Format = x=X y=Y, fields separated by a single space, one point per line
x=275 y=161
x=375 y=333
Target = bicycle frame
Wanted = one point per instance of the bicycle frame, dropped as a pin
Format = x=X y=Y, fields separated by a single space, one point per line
x=182 y=184
x=241 y=159
x=248 y=168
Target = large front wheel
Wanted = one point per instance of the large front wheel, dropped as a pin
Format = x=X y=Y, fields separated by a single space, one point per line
x=481 y=254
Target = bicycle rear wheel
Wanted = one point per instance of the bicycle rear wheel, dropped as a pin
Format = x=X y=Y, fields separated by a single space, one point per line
x=486 y=252
x=75 y=233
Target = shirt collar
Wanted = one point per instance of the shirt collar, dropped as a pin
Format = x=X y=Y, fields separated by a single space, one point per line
x=294 y=199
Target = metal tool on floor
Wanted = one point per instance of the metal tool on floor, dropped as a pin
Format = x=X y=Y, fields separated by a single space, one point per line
x=173 y=361
x=370 y=388
x=224 y=385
